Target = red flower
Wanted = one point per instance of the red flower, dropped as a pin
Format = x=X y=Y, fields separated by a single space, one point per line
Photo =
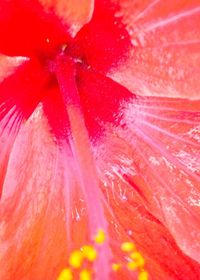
x=99 y=138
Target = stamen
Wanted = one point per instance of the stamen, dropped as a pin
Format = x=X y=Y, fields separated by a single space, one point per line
x=131 y=266
x=100 y=237
x=116 y=266
x=85 y=274
x=137 y=258
x=127 y=247
x=143 y=275
x=76 y=259
x=89 y=253
x=80 y=146
x=66 y=274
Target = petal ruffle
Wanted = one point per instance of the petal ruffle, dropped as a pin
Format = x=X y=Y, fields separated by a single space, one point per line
x=165 y=55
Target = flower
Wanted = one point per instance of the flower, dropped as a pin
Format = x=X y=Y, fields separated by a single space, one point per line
x=99 y=139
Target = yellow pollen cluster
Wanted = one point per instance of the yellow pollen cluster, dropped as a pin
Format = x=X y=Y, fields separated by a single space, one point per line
x=136 y=261
x=116 y=266
x=127 y=247
x=100 y=237
x=76 y=259
x=80 y=259
x=66 y=274
x=85 y=275
x=89 y=253
x=143 y=275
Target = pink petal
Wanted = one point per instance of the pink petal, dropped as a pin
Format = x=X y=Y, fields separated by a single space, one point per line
x=165 y=57
x=138 y=192
x=34 y=242
x=20 y=94
x=156 y=153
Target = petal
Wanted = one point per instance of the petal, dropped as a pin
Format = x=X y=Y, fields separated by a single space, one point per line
x=26 y=29
x=74 y=12
x=43 y=194
x=157 y=153
x=21 y=92
x=133 y=221
x=103 y=42
x=44 y=214
x=165 y=57
x=8 y=65
x=32 y=208
x=41 y=189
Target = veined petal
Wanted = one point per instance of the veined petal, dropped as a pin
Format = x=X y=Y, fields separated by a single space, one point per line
x=157 y=154
x=132 y=220
x=44 y=214
x=20 y=93
x=165 y=56
x=33 y=228
x=43 y=204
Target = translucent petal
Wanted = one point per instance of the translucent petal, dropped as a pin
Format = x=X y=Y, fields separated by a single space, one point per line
x=43 y=192
x=157 y=154
x=165 y=56
x=21 y=91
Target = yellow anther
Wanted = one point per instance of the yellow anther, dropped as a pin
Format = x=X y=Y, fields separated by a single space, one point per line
x=66 y=274
x=100 y=237
x=116 y=266
x=85 y=275
x=76 y=259
x=132 y=266
x=143 y=275
x=138 y=258
x=127 y=247
x=89 y=253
